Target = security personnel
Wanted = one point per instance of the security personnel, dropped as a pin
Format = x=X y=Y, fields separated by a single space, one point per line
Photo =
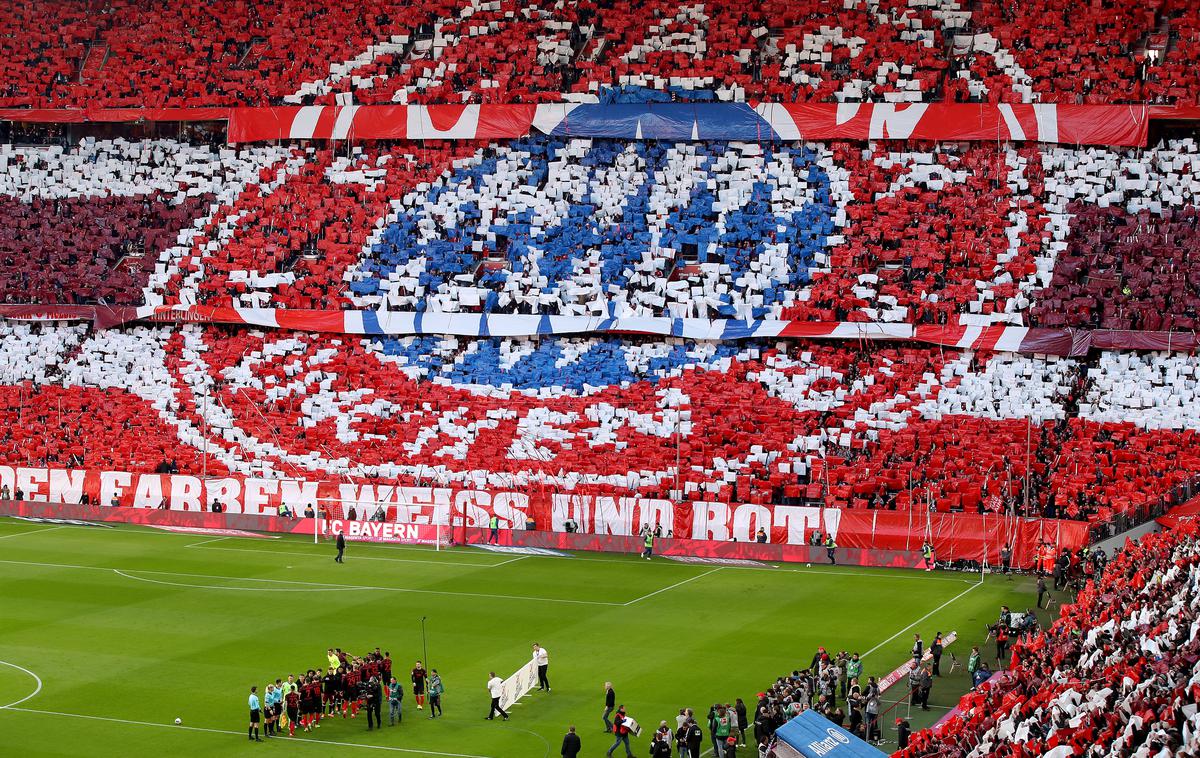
x=647 y=544
x=935 y=650
x=914 y=686
x=494 y=526
x=830 y=546
x=927 y=554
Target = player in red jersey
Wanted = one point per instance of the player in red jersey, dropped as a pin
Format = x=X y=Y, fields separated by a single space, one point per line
x=292 y=699
x=418 y=683
x=352 y=679
x=385 y=668
x=314 y=701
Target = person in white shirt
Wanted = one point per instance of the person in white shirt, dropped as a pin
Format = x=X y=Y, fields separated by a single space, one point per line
x=495 y=686
x=541 y=659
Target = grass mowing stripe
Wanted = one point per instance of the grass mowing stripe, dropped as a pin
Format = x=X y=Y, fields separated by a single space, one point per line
x=488 y=596
x=288 y=740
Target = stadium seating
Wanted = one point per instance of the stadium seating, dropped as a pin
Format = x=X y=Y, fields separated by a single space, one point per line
x=815 y=423
x=88 y=224
x=225 y=53
x=1117 y=674
x=946 y=234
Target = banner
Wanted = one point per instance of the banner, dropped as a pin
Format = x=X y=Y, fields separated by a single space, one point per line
x=811 y=735
x=712 y=529
x=886 y=682
x=1001 y=338
x=517 y=685
x=380 y=531
x=1121 y=125
x=1124 y=125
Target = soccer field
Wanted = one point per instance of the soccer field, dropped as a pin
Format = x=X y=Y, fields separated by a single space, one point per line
x=107 y=635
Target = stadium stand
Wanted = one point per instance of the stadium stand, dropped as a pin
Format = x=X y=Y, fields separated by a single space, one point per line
x=88 y=224
x=225 y=53
x=600 y=227
x=1115 y=675
x=844 y=426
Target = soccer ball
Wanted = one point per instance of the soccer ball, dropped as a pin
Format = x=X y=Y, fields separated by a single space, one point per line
x=808 y=565
x=178 y=721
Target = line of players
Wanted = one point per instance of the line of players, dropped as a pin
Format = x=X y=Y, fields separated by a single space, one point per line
x=350 y=684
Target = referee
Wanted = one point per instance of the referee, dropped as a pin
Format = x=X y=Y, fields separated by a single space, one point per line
x=255 y=715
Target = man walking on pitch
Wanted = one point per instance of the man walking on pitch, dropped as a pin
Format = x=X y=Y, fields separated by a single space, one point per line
x=495 y=687
x=571 y=744
x=610 y=701
x=622 y=733
x=830 y=547
x=494 y=534
x=647 y=543
x=341 y=547
x=541 y=659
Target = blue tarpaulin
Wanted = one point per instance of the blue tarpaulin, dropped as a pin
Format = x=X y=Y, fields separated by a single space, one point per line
x=812 y=735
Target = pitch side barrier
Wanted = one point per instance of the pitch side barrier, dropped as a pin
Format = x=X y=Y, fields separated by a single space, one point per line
x=387 y=532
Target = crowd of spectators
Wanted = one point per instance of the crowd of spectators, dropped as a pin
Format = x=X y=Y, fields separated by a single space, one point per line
x=1116 y=674
x=941 y=234
x=78 y=54
x=859 y=426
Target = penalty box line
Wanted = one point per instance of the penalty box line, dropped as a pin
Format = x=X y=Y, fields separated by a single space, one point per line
x=288 y=740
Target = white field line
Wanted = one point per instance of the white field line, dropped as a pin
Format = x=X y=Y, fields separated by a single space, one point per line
x=286 y=740
x=973 y=587
x=33 y=531
x=209 y=542
x=36 y=690
x=119 y=572
x=354 y=556
x=673 y=586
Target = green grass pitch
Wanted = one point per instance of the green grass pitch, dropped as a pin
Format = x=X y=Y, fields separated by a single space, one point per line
x=126 y=629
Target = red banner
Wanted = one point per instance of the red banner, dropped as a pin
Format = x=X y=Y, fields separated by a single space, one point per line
x=955 y=536
x=1072 y=124
x=1068 y=124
